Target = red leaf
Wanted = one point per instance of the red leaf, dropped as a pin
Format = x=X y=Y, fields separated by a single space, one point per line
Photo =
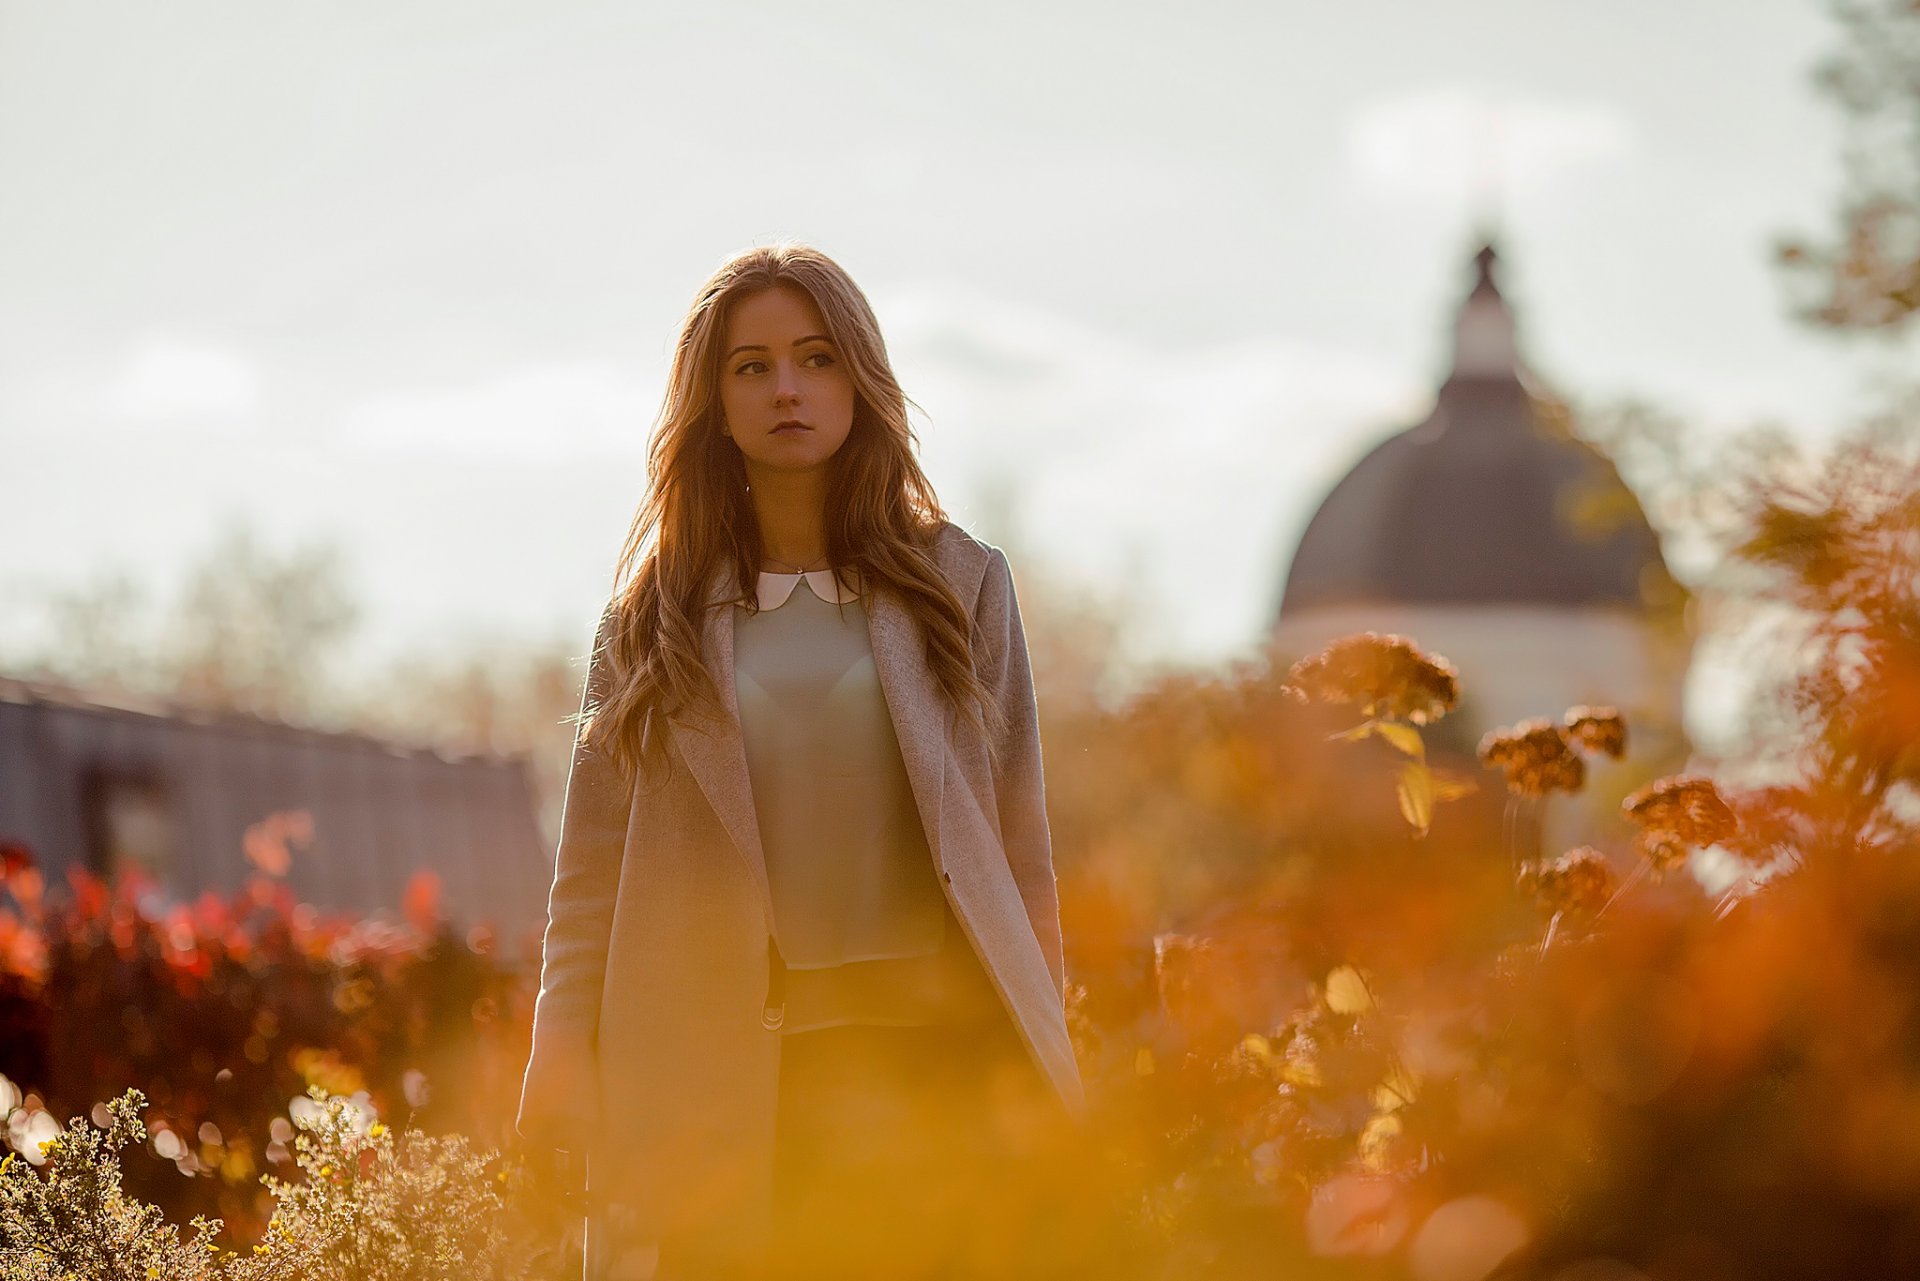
x=211 y=913
x=89 y=893
x=14 y=857
x=422 y=901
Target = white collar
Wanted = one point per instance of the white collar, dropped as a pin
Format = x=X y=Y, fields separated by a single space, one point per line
x=774 y=589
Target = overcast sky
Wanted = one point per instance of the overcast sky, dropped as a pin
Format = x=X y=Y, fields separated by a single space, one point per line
x=404 y=275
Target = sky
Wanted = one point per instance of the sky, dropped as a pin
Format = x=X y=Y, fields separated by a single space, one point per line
x=402 y=277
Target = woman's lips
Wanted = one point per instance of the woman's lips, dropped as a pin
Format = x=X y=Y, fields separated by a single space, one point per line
x=791 y=427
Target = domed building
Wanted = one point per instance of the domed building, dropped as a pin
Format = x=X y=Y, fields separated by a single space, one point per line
x=1492 y=535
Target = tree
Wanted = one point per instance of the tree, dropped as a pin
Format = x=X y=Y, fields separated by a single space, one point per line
x=1868 y=278
x=254 y=632
x=251 y=631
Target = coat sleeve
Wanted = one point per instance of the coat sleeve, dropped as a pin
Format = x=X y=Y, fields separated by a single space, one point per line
x=1019 y=782
x=559 y=1095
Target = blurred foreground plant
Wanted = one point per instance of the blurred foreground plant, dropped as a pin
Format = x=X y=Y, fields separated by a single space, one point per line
x=223 y=1009
x=1398 y=687
x=1707 y=1064
x=370 y=1205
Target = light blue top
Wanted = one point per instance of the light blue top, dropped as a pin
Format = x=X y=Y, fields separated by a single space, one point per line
x=862 y=925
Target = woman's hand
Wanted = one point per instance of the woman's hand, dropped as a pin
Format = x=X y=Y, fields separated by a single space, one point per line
x=559 y=1175
x=550 y=1128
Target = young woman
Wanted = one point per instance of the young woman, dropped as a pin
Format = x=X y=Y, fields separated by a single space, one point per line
x=802 y=975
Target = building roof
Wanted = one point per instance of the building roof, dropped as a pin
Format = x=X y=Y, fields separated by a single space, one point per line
x=136 y=708
x=77 y=771
x=1479 y=503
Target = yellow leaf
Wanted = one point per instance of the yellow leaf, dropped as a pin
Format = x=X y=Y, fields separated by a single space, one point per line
x=1377 y=1139
x=1450 y=786
x=1354 y=735
x=1404 y=737
x=1347 y=992
x=1301 y=1070
x=1415 y=790
x=1395 y=1091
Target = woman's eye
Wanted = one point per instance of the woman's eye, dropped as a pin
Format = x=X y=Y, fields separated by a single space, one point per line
x=760 y=366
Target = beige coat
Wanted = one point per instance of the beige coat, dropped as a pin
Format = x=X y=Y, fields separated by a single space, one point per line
x=648 y=1032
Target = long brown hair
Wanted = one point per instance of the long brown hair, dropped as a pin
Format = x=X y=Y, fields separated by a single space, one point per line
x=696 y=516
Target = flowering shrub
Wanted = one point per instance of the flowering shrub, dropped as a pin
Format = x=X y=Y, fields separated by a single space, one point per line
x=225 y=1009
x=371 y=1205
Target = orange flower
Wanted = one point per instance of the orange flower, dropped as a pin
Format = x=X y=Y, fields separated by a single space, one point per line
x=1578 y=883
x=1597 y=729
x=1536 y=757
x=1660 y=849
x=1389 y=675
x=1685 y=809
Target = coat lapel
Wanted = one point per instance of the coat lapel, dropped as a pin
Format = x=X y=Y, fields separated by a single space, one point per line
x=918 y=707
x=715 y=749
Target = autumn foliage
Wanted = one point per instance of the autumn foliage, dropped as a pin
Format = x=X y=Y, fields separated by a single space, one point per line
x=1436 y=1053
x=223 y=1010
x=1337 y=1017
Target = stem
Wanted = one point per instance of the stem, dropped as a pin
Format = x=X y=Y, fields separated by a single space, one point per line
x=1507 y=818
x=1633 y=878
x=1552 y=925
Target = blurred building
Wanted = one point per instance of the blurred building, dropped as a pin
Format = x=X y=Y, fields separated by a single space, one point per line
x=201 y=802
x=1492 y=535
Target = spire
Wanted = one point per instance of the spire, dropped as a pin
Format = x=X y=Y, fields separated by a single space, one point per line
x=1483 y=338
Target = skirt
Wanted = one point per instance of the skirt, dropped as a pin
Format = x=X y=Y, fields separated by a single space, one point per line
x=897 y=1150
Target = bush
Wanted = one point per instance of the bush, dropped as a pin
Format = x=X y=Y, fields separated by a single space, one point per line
x=224 y=1010
x=371 y=1205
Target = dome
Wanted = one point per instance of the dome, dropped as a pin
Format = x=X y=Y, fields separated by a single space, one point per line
x=1482 y=503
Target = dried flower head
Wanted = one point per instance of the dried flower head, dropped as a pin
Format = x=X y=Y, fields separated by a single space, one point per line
x=1684 y=808
x=1597 y=729
x=1662 y=850
x=1578 y=883
x=1388 y=675
x=1536 y=757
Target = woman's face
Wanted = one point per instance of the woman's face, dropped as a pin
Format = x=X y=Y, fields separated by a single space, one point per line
x=780 y=368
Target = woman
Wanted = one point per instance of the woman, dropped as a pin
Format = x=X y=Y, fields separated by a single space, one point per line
x=802 y=971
